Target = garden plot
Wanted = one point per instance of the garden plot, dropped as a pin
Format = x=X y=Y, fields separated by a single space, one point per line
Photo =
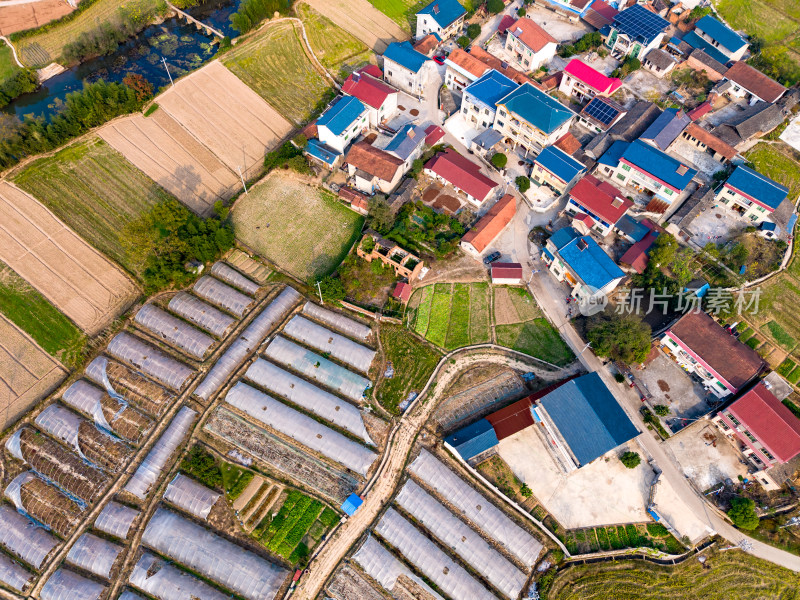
x=19 y=17
x=27 y=373
x=265 y=494
x=362 y=20
x=75 y=277
x=254 y=269
x=453 y=315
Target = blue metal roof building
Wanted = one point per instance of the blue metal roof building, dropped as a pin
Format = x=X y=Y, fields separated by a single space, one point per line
x=352 y=504
x=321 y=152
x=472 y=440
x=695 y=41
x=588 y=417
x=537 y=108
x=563 y=236
x=666 y=128
x=489 y=89
x=406 y=141
x=403 y=54
x=341 y=114
x=443 y=12
x=726 y=37
x=559 y=163
x=589 y=262
x=653 y=161
x=612 y=156
x=757 y=186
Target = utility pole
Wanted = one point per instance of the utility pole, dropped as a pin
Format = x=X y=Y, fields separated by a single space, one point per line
x=164 y=60
x=244 y=185
x=319 y=290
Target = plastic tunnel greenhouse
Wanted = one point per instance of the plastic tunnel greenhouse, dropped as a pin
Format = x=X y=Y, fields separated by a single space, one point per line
x=349 y=327
x=152 y=465
x=383 y=567
x=174 y=331
x=475 y=507
x=194 y=498
x=223 y=295
x=150 y=360
x=23 y=538
x=201 y=314
x=338 y=346
x=122 y=382
x=309 y=397
x=301 y=428
x=212 y=556
x=94 y=554
x=316 y=367
x=13 y=574
x=438 y=567
x=44 y=503
x=116 y=519
x=68 y=585
x=250 y=339
x=163 y=581
x=228 y=274
x=129 y=595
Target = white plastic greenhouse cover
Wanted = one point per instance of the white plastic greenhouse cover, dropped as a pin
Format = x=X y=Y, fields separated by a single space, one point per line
x=166 y=582
x=62 y=424
x=299 y=427
x=14 y=488
x=459 y=537
x=129 y=595
x=67 y=585
x=250 y=339
x=13 y=575
x=448 y=575
x=475 y=507
x=87 y=398
x=94 y=554
x=223 y=295
x=312 y=365
x=230 y=275
x=24 y=539
x=150 y=469
x=383 y=567
x=223 y=562
x=194 y=498
x=116 y=519
x=308 y=396
x=174 y=331
x=201 y=314
x=150 y=360
x=349 y=327
x=325 y=340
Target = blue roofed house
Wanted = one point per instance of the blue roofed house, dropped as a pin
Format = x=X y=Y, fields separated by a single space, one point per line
x=635 y=31
x=405 y=68
x=478 y=104
x=698 y=43
x=407 y=144
x=323 y=154
x=666 y=128
x=581 y=262
x=556 y=169
x=530 y=118
x=342 y=123
x=583 y=420
x=441 y=17
x=754 y=196
x=351 y=505
x=475 y=443
x=721 y=38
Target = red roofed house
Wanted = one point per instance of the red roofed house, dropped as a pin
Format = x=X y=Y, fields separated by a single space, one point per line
x=700 y=111
x=433 y=133
x=372 y=169
x=506 y=273
x=379 y=97
x=427 y=45
x=582 y=82
x=463 y=174
x=600 y=200
x=529 y=44
x=477 y=239
x=402 y=291
x=462 y=69
x=636 y=256
x=506 y=22
x=767 y=432
x=746 y=81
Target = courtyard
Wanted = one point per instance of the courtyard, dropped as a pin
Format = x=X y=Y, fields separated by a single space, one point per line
x=717 y=224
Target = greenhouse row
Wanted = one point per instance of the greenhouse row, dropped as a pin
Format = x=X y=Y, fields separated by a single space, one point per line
x=125 y=384
x=457 y=535
x=116 y=519
x=301 y=428
x=14 y=575
x=44 y=503
x=163 y=581
x=316 y=367
x=444 y=572
x=228 y=274
x=347 y=326
x=68 y=585
x=201 y=314
x=311 y=398
x=62 y=424
x=23 y=538
x=474 y=506
x=129 y=595
x=150 y=360
x=250 y=339
x=152 y=465
x=383 y=567
x=212 y=556
x=194 y=498
x=94 y=554
x=223 y=295
x=174 y=331
x=337 y=346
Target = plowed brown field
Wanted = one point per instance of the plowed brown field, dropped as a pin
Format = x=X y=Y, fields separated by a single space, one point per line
x=18 y=17
x=75 y=277
x=362 y=20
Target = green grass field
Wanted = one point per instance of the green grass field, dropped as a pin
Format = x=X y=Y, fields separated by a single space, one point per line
x=298 y=526
x=730 y=575
x=274 y=64
x=94 y=190
x=413 y=363
x=778 y=162
x=537 y=338
x=440 y=314
x=301 y=228
x=7 y=65
x=458 y=329
x=479 y=313
x=763 y=18
x=334 y=47
x=402 y=12
x=32 y=313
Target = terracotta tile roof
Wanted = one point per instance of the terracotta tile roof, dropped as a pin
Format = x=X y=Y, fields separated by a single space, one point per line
x=426 y=44
x=600 y=14
x=373 y=70
x=495 y=63
x=468 y=62
x=551 y=81
x=708 y=341
x=601 y=198
x=657 y=206
x=376 y=162
x=402 y=291
x=531 y=34
x=506 y=22
x=491 y=224
x=700 y=111
x=462 y=173
x=755 y=82
x=710 y=140
x=636 y=256
x=568 y=143
x=368 y=89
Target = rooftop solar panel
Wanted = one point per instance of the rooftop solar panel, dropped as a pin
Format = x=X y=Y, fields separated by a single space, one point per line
x=639 y=23
x=601 y=111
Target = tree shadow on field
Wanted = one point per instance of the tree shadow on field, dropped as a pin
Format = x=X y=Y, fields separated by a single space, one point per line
x=322 y=265
x=185 y=186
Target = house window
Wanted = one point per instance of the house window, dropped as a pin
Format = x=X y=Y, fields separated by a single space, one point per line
x=760 y=209
x=668 y=192
x=620 y=176
x=486 y=111
x=389 y=73
x=502 y=113
x=625 y=167
x=501 y=124
x=730 y=192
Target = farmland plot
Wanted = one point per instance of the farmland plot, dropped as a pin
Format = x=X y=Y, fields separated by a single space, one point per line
x=333 y=46
x=27 y=373
x=362 y=20
x=19 y=17
x=75 y=277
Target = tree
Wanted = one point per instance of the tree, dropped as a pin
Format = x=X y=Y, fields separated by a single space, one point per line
x=368 y=244
x=525 y=490
x=463 y=41
x=495 y=6
x=522 y=12
x=331 y=288
x=473 y=31
x=698 y=12
x=630 y=459
x=664 y=250
x=662 y=410
x=681 y=267
x=140 y=86
x=499 y=160
x=416 y=167
x=743 y=513
x=380 y=215
x=625 y=338
x=523 y=183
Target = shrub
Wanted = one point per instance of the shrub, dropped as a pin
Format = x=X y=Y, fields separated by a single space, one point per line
x=473 y=31
x=280 y=158
x=331 y=288
x=630 y=459
x=201 y=465
x=522 y=12
x=662 y=410
x=619 y=377
x=463 y=41
x=252 y=12
x=624 y=338
x=523 y=183
x=495 y=6
x=525 y=490
x=743 y=513
x=499 y=160
x=140 y=86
